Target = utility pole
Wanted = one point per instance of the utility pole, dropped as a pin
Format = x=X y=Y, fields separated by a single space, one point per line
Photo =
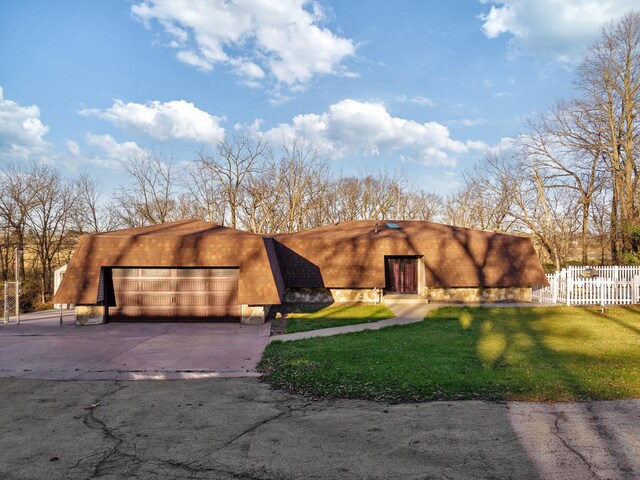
x=19 y=252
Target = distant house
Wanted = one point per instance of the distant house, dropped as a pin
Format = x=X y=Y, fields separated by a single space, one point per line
x=197 y=271
x=57 y=280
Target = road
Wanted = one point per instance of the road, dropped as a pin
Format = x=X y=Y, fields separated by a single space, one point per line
x=241 y=428
x=44 y=316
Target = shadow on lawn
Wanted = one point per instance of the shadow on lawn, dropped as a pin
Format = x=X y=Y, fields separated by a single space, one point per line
x=612 y=315
x=305 y=317
x=557 y=353
x=300 y=308
x=529 y=354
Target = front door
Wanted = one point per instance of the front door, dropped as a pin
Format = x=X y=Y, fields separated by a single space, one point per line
x=402 y=275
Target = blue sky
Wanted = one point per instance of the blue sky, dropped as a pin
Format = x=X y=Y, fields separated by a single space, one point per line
x=427 y=86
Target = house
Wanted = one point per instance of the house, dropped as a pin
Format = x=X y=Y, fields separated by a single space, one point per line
x=198 y=271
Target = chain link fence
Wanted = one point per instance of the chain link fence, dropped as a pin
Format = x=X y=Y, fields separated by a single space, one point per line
x=11 y=301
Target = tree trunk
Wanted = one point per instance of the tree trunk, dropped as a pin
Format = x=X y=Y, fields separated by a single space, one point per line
x=585 y=229
x=556 y=260
x=43 y=286
x=21 y=256
x=613 y=233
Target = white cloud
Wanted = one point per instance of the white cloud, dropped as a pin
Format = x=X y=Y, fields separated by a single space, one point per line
x=21 y=130
x=72 y=147
x=174 y=120
x=418 y=99
x=477 y=145
x=363 y=128
x=505 y=144
x=560 y=29
x=283 y=38
x=111 y=153
x=469 y=122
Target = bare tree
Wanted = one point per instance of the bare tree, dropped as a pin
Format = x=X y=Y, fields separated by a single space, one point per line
x=567 y=148
x=419 y=205
x=548 y=214
x=17 y=196
x=91 y=214
x=230 y=167
x=482 y=202
x=302 y=177
x=600 y=222
x=7 y=252
x=150 y=197
x=262 y=201
x=206 y=193
x=458 y=206
x=370 y=195
x=609 y=78
x=48 y=219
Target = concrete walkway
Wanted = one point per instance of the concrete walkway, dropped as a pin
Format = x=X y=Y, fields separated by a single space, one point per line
x=405 y=311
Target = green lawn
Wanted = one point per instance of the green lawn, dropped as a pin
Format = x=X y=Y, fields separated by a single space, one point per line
x=556 y=353
x=313 y=318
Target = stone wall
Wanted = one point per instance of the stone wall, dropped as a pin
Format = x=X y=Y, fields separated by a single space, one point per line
x=330 y=295
x=475 y=295
x=254 y=314
x=89 y=315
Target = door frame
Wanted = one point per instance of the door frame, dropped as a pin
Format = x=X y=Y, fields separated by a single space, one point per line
x=414 y=259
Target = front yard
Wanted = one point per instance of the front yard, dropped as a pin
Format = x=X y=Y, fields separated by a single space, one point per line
x=556 y=353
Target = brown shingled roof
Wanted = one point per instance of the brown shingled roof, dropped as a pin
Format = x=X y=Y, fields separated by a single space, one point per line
x=189 y=243
x=349 y=255
x=181 y=228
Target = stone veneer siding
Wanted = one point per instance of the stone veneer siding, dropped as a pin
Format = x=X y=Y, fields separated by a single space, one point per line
x=89 y=315
x=330 y=295
x=254 y=314
x=475 y=295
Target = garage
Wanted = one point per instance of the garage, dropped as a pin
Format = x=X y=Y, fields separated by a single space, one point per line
x=174 y=294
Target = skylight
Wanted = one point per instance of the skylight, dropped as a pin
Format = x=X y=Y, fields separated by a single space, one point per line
x=393 y=225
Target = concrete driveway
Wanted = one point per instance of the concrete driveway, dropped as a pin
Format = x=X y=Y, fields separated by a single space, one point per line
x=239 y=428
x=41 y=348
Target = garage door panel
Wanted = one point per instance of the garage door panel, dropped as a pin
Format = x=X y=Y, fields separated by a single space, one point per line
x=156 y=272
x=125 y=272
x=137 y=314
x=125 y=285
x=148 y=294
x=222 y=300
x=192 y=301
x=222 y=284
x=191 y=285
x=154 y=301
x=156 y=286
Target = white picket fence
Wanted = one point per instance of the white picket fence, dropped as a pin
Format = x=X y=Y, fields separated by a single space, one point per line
x=611 y=285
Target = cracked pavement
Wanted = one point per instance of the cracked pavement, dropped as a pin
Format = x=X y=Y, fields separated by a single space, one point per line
x=241 y=428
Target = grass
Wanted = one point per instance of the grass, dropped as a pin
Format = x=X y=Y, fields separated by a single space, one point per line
x=545 y=354
x=313 y=318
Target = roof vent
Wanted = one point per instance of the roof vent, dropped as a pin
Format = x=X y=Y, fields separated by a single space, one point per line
x=393 y=225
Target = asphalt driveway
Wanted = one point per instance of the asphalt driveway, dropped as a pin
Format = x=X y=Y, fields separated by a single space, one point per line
x=239 y=428
x=41 y=348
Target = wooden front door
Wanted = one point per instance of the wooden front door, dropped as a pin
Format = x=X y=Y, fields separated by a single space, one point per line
x=402 y=275
x=175 y=294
